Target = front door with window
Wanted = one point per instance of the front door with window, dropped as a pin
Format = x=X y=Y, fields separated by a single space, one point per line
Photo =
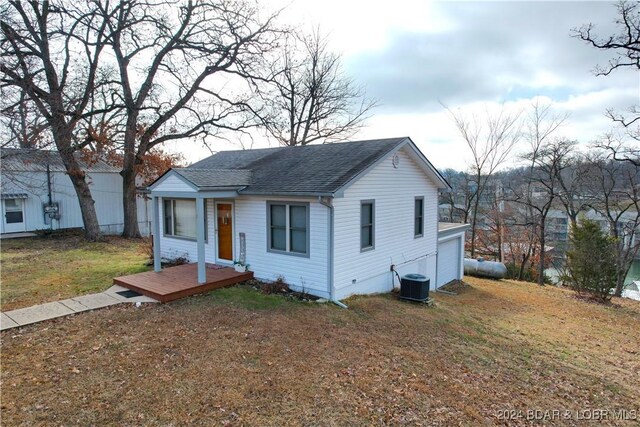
x=13 y=215
x=225 y=231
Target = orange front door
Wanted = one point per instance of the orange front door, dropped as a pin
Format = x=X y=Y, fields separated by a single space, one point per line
x=225 y=231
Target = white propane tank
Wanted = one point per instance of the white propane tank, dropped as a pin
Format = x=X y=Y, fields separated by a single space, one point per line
x=481 y=268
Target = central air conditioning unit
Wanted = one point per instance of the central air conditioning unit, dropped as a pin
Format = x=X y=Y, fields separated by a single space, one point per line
x=414 y=287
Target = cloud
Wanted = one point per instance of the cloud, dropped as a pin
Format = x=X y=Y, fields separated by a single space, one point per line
x=490 y=51
x=411 y=54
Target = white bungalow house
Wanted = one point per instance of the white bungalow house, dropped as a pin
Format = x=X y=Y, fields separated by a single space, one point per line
x=333 y=220
x=37 y=194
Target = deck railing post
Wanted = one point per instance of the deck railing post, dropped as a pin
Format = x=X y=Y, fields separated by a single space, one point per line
x=157 y=258
x=200 y=226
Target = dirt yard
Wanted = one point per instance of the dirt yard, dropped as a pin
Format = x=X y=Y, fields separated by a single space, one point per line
x=43 y=269
x=238 y=357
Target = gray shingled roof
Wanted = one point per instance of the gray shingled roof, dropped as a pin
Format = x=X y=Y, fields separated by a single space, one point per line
x=309 y=169
x=28 y=160
x=215 y=178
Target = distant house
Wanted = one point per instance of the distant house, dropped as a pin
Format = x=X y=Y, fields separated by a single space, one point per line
x=332 y=220
x=37 y=193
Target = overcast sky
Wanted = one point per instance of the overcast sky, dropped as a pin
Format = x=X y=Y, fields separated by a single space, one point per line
x=413 y=55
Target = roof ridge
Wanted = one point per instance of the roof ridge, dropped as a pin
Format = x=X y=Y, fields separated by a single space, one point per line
x=26 y=159
x=327 y=144
x=189 y=168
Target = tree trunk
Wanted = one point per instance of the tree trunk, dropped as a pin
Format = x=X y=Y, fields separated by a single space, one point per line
x=523 y=263
x=541 y=264
x=87 y=204
x=573 y=220
x=500 y=238
x=129 y=199
x=521 y=268
x=624 y=259
x=619 y=247
x=474 y=219
x=131 y=229
x=619 y=283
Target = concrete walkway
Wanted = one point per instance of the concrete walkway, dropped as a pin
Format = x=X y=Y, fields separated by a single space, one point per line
x=51 y=310
x=16 y=235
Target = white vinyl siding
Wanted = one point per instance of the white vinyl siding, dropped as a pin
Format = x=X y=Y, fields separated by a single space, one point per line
x=106 y=190
x=308 y=273
x=171 y=182
x=394 y=191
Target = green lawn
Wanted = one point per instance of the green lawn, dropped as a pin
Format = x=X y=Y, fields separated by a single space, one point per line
x=43 y=269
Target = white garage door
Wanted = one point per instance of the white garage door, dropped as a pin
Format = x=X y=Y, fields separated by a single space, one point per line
x=448 y=261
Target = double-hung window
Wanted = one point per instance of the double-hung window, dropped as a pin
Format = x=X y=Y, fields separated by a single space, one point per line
x=180 y=218
x=288 y=228
x=418 y=217
x=367 y=225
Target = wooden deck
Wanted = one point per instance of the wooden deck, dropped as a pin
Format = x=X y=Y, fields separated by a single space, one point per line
x=181 y=281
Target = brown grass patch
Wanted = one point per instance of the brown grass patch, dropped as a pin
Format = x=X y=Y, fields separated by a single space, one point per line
x=236 y=356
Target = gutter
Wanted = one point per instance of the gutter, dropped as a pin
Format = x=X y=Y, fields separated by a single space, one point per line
x=285 y=194
x=330 y=257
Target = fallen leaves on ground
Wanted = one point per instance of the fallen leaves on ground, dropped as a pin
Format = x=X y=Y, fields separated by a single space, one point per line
x=212 y=360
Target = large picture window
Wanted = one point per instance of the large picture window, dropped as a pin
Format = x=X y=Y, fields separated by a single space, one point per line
x=367 y=225
x=418 y=227
x=180 y=218
x=288 y=228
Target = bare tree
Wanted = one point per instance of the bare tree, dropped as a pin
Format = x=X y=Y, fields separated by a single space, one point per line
x=459 y=199
x=540 y=189
x=615 y=195
x=625 y=45
x=181 y=68
x=518 y=237
x=574 y=183
x=22 y=126
x=620 y=148
x=309 y=98
x=490 y=237
x=491 y=140
x=51 y=52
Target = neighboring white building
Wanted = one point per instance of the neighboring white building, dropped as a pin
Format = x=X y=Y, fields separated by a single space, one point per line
x=332 y=220
x=37 y=194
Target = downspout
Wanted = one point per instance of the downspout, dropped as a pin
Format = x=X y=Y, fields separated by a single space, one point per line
x=330 y=257
x=435 y=285
x=49 y=196
x=49 y=184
